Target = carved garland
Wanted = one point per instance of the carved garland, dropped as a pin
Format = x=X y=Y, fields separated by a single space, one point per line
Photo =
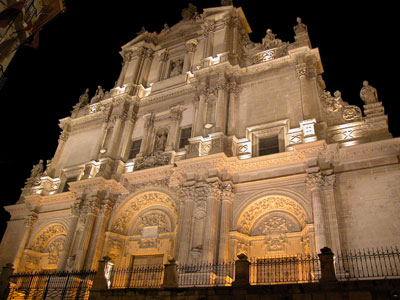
x=269 y=203
x=138 y=203
x=41 y=241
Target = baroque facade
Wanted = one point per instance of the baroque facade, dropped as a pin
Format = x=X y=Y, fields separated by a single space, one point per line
x=209 y=146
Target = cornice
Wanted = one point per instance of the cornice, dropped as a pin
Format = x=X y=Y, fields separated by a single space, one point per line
x=147 y=174
x=17 y=209
x=168 y=94
x=96 y=184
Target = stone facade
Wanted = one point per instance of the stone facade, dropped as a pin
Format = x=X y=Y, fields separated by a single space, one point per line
x=210 y=146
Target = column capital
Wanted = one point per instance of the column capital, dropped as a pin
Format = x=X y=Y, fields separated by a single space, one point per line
x=30 y=220
x=314 y=180
x=329 y=181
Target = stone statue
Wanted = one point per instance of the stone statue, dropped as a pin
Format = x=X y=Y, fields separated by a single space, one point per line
x=226 y=2
x=36 y=173
x=98 y=95
x=269 y=41
x=166 y=28
x=161 y=140
x=190 y=12
x=84 y=98
x=300 y=27
x=368 y=93
x=176 y=67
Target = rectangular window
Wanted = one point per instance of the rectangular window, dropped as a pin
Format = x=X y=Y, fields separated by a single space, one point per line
x=135 y=149
x=268 y=145
x=185 y=136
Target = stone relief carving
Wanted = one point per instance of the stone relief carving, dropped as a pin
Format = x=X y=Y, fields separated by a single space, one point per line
x=159 y=219
x=335 y=103
x=160 y=140
x=269 y=203
x=114 y=248
x=270 y=42
x=275 y=224
x=40 y=242
x=368 y=94
x=55 y=248
x=137 y=204
x=150 y=161
x=242 y=248
x=148 y=243
x=276 y=243
x=351 y=113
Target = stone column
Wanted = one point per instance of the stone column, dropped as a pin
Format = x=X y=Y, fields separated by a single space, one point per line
x=233 y=92
x=62 y=263
x=208 y=34
x=329 y=195
x=314 y=182
x=210 y=242
x=61 y=143
x=126 y=135
x=97 y=238
x=176 y=118
x=221 y=115
x=30 y=221
x=90 y=210
x=186 y=228
x=148 y=57
x=99 y=143
x=126 y=59
x=189 y=58
x=235 y=38
x=201 y=112
x=113 y=144
x=305 y=91
x=226 y=211
x=140 y=54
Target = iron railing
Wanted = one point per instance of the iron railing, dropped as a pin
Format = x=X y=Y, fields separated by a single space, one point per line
x=51 y=285
x=212 y=274
x=139 y=276
x=368 y=264
x=283 y=270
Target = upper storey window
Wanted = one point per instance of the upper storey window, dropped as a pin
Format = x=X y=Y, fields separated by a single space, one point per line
x=185 y=136
x=135 y=148
x=268 y=145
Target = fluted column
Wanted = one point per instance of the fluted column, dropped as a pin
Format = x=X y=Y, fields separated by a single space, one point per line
x=329 y=195
x=314 y=182
x=97 y=239
x=201 y=112
x=62 y=263
x=30 y=222
x=233 y=92
x=211 y=225
x=90 y=210
x=221 y=115
x=226 y=211
x=186 y=228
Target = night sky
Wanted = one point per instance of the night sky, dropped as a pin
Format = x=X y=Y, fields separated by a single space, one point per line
x=80 y=49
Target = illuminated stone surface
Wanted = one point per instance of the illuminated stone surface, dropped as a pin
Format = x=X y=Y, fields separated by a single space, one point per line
x=333 y=180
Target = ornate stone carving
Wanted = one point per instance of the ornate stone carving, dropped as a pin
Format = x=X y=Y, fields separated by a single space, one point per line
x=54 y=249
x=150 y=161
x=148 y=243
x=30 y=220
x=267 y=204
x=36 y=173
x=275 y=224
x=242 y=248
x=270 y=42
x=137 y=204
x=209 y=27
x=176 y=67
x=301 y=70
x=368 y=94
x=156 y=218
x=83 y=99
x=98 y=96
x=191 y=45
x=114 y=248
x=276 y=243
x=190 y=12
x=314 y=180
x=335 y=103
x=40 y=242
x=351 y=113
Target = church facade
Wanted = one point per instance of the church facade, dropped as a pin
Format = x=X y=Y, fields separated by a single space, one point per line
x=209 y=146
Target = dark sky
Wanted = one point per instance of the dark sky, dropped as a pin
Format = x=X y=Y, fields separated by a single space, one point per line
x=79 y=49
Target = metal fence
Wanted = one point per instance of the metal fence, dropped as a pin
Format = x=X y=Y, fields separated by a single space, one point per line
x=51 y=285
x=283 y=270
x=206 y=274
x=139 y=276
x=368 y=264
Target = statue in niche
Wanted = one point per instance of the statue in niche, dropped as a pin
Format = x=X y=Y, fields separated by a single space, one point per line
x=161 y=141
x=300 y=27
x=84 y=99
x=190 y=12
x=176 y=67
x=368 y=93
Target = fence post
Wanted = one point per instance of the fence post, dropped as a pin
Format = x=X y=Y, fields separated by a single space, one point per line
x=170 y=279
x=4 y=283
x=327 y=267
x=242 y=272
x=99 y=281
